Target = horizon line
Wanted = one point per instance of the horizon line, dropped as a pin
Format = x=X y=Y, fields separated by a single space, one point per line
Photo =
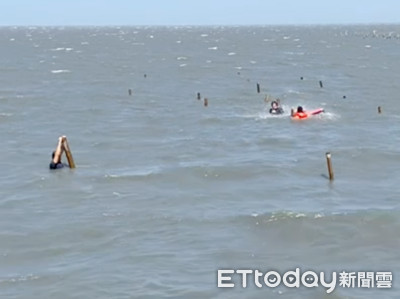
x=208 y=25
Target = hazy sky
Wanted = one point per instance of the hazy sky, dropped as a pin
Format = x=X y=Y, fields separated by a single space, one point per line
x=197 y=12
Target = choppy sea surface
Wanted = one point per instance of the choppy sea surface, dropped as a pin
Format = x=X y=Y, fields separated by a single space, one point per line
x=168 y=191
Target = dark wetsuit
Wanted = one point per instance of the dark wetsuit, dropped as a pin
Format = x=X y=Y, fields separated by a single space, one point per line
x=56 y=165
x=278 y=110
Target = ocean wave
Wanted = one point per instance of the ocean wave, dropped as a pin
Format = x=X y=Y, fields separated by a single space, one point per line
x=379 y=217
x=136 y=174
x=60 y=71
x=19 y=278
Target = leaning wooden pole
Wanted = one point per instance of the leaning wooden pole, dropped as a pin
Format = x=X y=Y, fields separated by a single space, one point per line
x=68 y=153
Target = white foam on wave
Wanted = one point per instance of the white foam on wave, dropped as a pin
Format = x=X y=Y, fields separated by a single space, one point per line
x=60 y=71
x=301 y=215
x=286 y=215
x=231 y=53
x=61 y=49
x=19 y=279
x=183 y=65
x=213 y=48
x=328 y=116
x=145 y=172
x=112 y=214
x=181 y=58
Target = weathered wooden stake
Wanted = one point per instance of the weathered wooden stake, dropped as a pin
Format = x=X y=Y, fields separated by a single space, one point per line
x=258 y=87
x=379 y=109
x=130 y=92
x=329 y=163
x=68 y=153
x=320 y=84
x=198 y=96
x=205 y=102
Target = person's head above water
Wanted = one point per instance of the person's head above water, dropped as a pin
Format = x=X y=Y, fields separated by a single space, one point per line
x=274 y=104
x=299 y=109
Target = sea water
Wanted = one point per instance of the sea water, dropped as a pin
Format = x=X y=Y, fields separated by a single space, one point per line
x=167 y=191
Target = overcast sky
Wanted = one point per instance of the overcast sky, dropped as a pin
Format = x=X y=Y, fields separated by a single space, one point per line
x=197 y=12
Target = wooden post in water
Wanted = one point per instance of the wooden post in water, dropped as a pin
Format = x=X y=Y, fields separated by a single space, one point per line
x=68 y=153
x=258 y=87
x=130 y=92
x=320 y=84
x=198 y=96
x=291 y=112
x=205 y=102
x=379 y=109
x=329 y=163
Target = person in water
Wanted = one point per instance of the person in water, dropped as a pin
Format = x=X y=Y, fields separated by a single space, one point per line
x=275 y=108
x=300 y=113
x=56 y=155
